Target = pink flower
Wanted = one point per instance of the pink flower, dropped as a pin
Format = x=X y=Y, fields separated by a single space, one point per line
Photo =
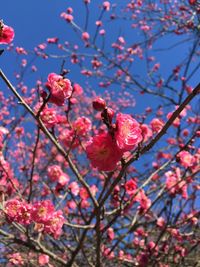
x=175 y=184
x=54 y=224
x=160 y=222
x=11 y=208
x=24 y=214
x=42 y=211
x=103 y=152
x=106 y=5
x=176 y=122
x=67 y=138
x=43 y=259
x=68 y=17
x=63 y=179
x=52 y=40
x=186 y=159
x=18 y=211
x=110 y=233
x=146 y=132
x=49 y=117
x=59 y=87
x=130 y=187
x=78 y=90
x=128 y=134
x=84 y=194
x=16 y=259
x=21 y=50
x=157 y=125
x=74 y=187
x=85 y=36
x=6 y=34
x=54 y=172
x=82 y=126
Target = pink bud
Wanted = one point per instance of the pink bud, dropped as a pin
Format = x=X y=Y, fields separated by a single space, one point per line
x=99 y=104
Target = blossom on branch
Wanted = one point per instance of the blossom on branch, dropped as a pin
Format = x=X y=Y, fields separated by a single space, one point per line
x=128 y=134
x=103 y=152
x=60 y=88
x=6 y=34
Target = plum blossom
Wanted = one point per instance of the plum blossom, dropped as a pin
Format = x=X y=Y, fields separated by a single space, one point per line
x=128 y=132
x=106 y=5
x=82 y=126
x=186 y=159
x=42 y=211
x=16 y=259
x=157 y=125
x=43 y=259
x=130 y=187
x=49 y=117
x=175 y=184
x=85 y=36
x=18 y=211
x=6 y=34
x=103 y=152
x=74 y=187
x=54 y=224
x=59 y=87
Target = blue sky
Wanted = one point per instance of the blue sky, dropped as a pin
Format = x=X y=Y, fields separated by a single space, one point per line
x=35 y=21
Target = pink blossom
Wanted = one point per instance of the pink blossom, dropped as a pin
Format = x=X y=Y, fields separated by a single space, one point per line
x=11 y=208
x=42 y=211
x=103 y=152
x=186 y=159
x=49 y=117
x=74 y=187
x=43 y=259
x=18 y=211
x=175 y=184
x=146 y=132
x=157 y=125
x=106 y=5
x=176 y=122
x=21 y=51
x=102 y=32
x=78 y=90
x=128 y=132
x=67 y=138
x=160 y=222
x=130 y=187
x=84 y=194
x=68 y=17
x=59 y=87
x=99 y=104
x=24 y=214
x=16 y=259
x=6 y=34
x=52 y=40
x=54 y=224
x=63 y=179
x=110 y=233
x=82 y=126
x=85 y=36
x=54 y=172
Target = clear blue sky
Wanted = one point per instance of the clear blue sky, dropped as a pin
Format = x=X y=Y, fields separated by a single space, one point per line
x=36 y=20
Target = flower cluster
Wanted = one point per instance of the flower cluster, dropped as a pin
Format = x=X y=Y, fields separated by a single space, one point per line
x=41 y=212
x=106 y=149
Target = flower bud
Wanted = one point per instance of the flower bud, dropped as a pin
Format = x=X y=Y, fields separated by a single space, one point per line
x=99 y=104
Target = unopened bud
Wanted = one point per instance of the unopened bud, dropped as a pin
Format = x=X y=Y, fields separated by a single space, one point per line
x=99 y=104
